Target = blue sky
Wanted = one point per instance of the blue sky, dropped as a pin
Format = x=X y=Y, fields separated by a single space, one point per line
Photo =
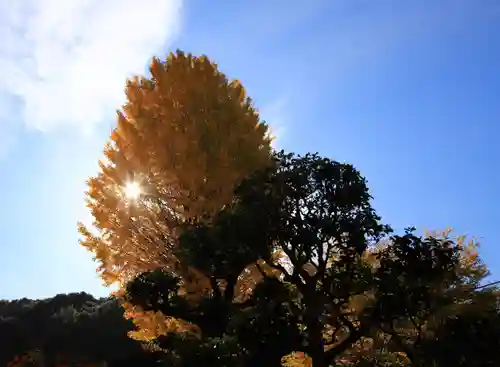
x=408 y=91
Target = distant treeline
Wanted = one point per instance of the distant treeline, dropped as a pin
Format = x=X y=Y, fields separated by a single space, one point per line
x=74 y=327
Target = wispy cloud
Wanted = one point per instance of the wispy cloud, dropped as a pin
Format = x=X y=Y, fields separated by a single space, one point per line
x=66 y=61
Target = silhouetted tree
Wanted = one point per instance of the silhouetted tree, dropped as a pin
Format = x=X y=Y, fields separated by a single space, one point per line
x=330 y=286
x=470 y=338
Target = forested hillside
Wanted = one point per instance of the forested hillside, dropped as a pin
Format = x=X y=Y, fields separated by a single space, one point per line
x=67 y=327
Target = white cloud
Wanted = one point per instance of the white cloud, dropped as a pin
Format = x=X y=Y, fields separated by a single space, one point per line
x=67 y=60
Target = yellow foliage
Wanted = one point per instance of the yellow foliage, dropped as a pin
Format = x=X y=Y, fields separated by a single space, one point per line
x=151 y=324
x=296 y=359
x=185 y=137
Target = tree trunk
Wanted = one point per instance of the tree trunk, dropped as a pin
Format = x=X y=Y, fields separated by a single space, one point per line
x=315 y=343
x=316 y=349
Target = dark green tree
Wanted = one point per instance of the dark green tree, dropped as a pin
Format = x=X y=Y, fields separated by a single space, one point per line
x=68 y=327
x=330 y=287
x=470 y=338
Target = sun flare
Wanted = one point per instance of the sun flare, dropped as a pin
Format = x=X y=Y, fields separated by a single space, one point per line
x=132 y=190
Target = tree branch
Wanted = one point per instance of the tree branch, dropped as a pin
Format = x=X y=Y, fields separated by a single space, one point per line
x=354 y=335
x=215 y=287
x=261 y=271
x=292 y=278
x=397 y=340
x=229 y=291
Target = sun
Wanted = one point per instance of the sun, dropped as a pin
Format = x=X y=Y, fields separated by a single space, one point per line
x=132 y=190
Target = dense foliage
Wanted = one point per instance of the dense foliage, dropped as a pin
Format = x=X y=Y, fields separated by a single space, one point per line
x=68 y=329
x=188 y=135
x=335 y=293
x=230 y=254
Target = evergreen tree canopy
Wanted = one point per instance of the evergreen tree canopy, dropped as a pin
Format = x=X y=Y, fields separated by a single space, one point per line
x=334 y=290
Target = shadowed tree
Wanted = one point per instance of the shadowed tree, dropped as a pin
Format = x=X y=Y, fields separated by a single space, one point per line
x=451 y=298
x=470 y=338
x=316 y=213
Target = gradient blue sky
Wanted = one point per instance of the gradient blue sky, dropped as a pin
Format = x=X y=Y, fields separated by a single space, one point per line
x=407 y=90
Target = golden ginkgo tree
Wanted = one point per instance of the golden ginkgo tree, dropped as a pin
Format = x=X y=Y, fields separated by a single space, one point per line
x=186 y=136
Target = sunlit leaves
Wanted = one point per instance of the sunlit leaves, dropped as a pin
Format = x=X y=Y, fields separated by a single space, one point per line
x=191 y=135
x=183 y=140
